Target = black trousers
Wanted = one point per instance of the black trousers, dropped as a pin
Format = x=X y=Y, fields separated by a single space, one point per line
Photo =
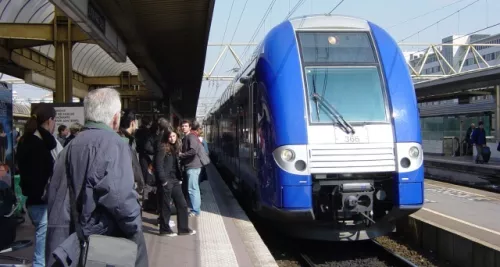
x=168 y=193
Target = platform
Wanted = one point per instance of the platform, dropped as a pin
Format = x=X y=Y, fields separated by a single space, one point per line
x=463 y=170
x=470 y=213
x=225 y=237
x=457 y=224
x=463 y=160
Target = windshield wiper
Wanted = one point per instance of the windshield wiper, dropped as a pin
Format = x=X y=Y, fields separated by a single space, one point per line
x=343 y=124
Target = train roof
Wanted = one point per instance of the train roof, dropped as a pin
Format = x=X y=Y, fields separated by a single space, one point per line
x=307 y=22
x=325 y=21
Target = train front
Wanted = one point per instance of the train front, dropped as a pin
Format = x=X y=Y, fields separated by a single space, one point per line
x=362 y=167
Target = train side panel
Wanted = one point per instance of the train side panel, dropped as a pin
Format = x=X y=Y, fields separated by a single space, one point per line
x=409 y=181
x=282 y=112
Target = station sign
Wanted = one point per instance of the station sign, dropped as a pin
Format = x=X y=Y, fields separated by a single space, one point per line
x=66 y=113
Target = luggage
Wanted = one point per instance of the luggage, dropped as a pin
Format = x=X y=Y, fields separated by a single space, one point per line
x=486 y=153
x=150 y=201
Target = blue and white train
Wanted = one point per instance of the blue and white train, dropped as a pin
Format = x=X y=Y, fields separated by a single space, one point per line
x=321 y=130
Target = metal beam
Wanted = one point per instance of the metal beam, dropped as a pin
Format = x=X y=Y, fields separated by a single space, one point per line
x=110 y=80
x=416 y=65
x=43 y=33
x=79 y=89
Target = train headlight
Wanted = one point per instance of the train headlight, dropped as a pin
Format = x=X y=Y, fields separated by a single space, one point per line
x=287 y=155
x=414 y=152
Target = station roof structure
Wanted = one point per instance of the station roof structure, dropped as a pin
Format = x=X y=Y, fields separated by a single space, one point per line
x=164 y=38
x=453 y=84
x=169 y=37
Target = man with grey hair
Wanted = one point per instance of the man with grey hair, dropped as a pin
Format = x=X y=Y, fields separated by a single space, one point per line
x=101 y=177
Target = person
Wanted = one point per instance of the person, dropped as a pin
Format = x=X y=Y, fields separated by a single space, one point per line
x=74 y=129
x=203 y=173
x=37 y=150
x=478 y=138
x=192 y=165
x=141 y=136
x=169 y=186
x=467 y=139
x=128 y=127
x=101 y=175
x=62 y=133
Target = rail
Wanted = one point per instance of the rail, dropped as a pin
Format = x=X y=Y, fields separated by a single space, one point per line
x=394 y=258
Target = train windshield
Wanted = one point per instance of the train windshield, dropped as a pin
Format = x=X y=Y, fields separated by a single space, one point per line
x=343 y=70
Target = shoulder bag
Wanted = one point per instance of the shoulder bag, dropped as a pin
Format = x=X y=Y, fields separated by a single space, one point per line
x=98 y=250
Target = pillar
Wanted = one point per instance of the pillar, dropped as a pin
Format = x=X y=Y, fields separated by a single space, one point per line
x=63 y=60
x=497 y=112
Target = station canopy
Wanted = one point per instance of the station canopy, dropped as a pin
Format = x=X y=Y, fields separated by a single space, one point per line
x=167 y=38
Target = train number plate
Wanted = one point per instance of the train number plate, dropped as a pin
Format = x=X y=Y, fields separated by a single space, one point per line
x=360 y=137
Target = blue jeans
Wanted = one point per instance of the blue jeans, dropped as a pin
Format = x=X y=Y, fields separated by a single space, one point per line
x=193 y=176
x=38 y=216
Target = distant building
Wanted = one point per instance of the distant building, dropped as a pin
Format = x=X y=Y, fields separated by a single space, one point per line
x=454 y=55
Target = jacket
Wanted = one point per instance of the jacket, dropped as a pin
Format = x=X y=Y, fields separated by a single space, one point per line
x=478 y=136
x=167 y=167
x=191 y=145
x=100 y=170
x=136 y=166
x=35 y=163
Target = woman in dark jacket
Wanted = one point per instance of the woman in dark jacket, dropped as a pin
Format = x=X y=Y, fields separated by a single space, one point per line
x=36 y=161
x=169 y=186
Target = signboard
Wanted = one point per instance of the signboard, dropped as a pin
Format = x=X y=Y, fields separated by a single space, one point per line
x=6 y=132
x=66 y=114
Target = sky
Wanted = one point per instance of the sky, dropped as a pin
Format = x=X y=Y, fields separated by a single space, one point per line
x=401 y=18
x=426 y=21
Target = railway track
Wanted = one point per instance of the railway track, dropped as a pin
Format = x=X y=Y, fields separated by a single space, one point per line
x=296 y=252
x=371 y=253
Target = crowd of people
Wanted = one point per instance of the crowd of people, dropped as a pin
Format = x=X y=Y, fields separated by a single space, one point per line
x=88 y=180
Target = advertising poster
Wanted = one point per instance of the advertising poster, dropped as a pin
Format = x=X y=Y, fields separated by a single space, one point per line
x=6 y=133
x=66 y=113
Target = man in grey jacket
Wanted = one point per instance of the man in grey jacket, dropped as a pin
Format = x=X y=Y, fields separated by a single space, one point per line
x=102 y=177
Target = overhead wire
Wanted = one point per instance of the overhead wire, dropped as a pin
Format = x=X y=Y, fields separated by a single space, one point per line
x=446 y=17
x=425 y=14
x=221 y=63
x=225 y=30
x=329 y=13
x=297 y=5
x=269 y=8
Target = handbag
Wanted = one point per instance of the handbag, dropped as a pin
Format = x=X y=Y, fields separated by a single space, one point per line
x=98 y=250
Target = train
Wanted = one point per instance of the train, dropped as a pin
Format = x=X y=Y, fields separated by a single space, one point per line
x=320 y=130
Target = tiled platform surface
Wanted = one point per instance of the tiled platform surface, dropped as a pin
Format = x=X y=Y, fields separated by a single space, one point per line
x=225 y=237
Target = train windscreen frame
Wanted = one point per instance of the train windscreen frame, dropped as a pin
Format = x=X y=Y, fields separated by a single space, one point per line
x=341 y=67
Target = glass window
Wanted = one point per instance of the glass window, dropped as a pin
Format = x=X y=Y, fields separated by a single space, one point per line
x=344 y=47
x=355 y=92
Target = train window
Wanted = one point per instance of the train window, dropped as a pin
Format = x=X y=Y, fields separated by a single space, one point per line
x=356 y=93
x=336 y=47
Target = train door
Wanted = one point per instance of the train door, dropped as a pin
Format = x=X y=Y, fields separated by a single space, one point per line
x=255 y=145
x=237 y=141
